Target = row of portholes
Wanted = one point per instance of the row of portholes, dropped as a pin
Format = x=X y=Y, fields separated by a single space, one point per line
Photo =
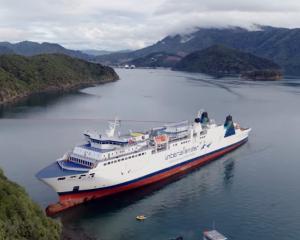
x=122 y=159
x=91 y=175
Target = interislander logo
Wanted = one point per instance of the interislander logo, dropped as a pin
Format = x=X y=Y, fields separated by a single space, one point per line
x=205 y=146
x=182 y=152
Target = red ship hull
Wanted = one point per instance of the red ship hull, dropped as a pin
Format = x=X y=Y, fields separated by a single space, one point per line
x=68 y=200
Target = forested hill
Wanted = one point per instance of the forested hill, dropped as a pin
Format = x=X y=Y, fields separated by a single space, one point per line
x=21 y=76
x=29 y=48
x=219 y=60
x=280 y=45
x=20 y=218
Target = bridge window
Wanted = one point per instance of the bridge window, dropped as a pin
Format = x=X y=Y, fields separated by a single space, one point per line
x=61 y=178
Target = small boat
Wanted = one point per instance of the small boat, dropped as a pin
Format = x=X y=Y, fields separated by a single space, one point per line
x=161 y=139
x=213 y=235
x=140 y=217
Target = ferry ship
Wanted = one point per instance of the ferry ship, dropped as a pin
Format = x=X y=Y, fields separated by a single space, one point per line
x=111 y=163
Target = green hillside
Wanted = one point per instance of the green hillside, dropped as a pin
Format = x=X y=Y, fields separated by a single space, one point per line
x=220 y=60
x=20 y=218
x=277 y=44
x=21 y=76
x=157 y=59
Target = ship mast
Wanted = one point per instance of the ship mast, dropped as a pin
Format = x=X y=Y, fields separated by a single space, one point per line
x=112 y=128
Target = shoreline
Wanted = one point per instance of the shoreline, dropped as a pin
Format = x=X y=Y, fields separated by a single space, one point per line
x=54 y=89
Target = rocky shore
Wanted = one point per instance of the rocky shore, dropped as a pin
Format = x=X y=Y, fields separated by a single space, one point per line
x=262 y=75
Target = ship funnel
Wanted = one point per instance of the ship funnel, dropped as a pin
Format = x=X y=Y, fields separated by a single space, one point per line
x=229 y=126
x=204 y=118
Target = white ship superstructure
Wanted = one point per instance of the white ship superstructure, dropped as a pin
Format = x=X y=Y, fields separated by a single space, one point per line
x=110 y=163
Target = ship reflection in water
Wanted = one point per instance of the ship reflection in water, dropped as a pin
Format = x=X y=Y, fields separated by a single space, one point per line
x=229 y=170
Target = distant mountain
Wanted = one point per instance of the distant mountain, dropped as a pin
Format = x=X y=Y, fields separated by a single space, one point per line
x=280 y=45
x=158 y=59
x=21 y=76
x=5 y=50
x=220 y=60
x=94 y=52
x=28 y=48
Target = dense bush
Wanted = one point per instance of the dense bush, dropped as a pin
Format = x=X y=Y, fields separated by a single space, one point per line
x=20 y=218
x=21 y=76
x=219 y=59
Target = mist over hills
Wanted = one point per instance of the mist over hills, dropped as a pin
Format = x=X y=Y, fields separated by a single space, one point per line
x=280 y=45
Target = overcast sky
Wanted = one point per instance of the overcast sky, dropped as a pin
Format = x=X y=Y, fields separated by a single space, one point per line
x=132 y=24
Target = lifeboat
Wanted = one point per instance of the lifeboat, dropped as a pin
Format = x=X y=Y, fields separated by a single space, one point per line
x=161 y=139
x=140 y=217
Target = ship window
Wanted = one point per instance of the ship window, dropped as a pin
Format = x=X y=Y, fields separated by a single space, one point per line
x=92 y=174
x=115 y=161
x=104 y=164
x=73 y=177
x=83 y=175
x=61 y=178
x=76 y=189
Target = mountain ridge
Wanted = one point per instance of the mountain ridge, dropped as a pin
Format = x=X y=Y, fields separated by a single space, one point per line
x=30 y=48
x=221 y=60
x=277 y=44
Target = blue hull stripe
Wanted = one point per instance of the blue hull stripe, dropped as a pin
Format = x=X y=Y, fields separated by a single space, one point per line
x=158 y=172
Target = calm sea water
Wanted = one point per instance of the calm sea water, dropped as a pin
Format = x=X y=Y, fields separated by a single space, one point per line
x=251 y=193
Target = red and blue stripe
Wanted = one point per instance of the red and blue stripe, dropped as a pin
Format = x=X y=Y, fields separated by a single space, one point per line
x=86 y=195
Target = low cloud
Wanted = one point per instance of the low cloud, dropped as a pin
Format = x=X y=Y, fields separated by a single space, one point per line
x=132 y=24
